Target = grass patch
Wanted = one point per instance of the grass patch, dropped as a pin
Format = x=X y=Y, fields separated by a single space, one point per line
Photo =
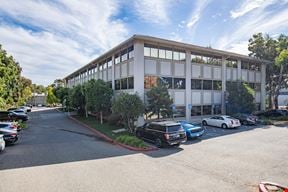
x=131 y=141
x=122 y=137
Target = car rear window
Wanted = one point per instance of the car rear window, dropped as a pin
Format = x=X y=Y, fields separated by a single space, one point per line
x=174 y=128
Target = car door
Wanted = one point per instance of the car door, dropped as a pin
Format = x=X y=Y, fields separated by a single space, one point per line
x=149 y=132
x=212 y=121
x=220 y=121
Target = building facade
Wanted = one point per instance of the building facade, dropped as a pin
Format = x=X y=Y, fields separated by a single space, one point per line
x=195 y=76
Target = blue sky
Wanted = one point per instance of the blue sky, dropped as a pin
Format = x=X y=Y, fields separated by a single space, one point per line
x=52 y=38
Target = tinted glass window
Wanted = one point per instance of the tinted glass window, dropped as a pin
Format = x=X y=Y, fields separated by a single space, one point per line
x=175 y=128
x=196 y=84
x=166 y=81
x=217 y=85
x=196 y=111
x=130 y=82
x=117 y=84
x=124 y=83
x=179 y=83
x=207 y=84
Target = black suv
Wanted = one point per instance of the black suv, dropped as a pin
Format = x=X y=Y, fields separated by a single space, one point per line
x=162 y=133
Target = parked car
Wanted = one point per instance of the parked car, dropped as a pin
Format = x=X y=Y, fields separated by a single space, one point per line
x=17 y=110
x=162 y=133
x=25 y=108
x=222 y=121
x=12 y=116
x=246 y=119
x=10 y=125
x=272 y=113
x=2 y=143
x=192 y=131
x=10 y=135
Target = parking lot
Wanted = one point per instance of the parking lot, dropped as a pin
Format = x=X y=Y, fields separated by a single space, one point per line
x=60 y=155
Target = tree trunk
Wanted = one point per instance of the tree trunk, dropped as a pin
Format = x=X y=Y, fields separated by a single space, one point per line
x=86 y=111
x=101 y=117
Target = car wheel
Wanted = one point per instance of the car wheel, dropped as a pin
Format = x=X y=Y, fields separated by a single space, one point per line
x=224 y=126
x=177 y=145
x=138 y=134
x=158 y=143
x=204 y=123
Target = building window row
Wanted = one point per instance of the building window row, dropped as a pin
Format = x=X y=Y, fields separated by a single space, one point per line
x=164 y=53
x=169 y=82
x=250 y=66
x=205 y=110
x=196 y=58
x=231 y=63
x=206 y=84
x=124 y=55
x=125 y=83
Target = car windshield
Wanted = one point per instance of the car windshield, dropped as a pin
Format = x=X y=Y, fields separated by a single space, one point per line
x=174 y=128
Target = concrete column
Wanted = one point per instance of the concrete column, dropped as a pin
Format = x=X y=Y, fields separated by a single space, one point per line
x=113 y=72
x=263 y=83
x=139 y=73
x=188 y=74
x=87 y=75
x=239 y=70
x=224 y=78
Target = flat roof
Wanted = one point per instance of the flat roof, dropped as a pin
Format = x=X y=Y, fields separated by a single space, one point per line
x=179 y=45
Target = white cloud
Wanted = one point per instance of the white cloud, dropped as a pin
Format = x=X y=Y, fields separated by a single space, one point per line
x=67 y=34
x=153 y=11
x=259 y=20
x=246 y=7
x=175 y=37
x=198 y=10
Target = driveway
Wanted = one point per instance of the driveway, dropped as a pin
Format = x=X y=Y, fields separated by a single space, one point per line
x=224 y=160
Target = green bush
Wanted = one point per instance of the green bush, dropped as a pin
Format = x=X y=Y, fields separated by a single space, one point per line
x=283 y=118
x=267 y=122
x=114 y=119
x=131 y=140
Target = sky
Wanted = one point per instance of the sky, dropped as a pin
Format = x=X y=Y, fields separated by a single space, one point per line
x=52 y=38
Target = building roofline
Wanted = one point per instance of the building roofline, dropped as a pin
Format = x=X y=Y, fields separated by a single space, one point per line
x=168 y=42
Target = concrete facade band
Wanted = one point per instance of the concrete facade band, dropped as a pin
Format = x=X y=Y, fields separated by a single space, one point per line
x=196 y=76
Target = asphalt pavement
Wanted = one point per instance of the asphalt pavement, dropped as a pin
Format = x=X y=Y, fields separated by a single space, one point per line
x=56 y=154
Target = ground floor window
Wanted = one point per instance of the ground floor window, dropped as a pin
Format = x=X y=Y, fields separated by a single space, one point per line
x=196 y=111
x=180 y=111
x=217 y=109
x=207 y=109
x=130 y=82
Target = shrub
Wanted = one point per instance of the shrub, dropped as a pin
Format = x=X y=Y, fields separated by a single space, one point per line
x=130 y=140
x=114 y=119
x=267 y=122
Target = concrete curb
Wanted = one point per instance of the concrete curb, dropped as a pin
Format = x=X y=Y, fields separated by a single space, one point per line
x=111 y=140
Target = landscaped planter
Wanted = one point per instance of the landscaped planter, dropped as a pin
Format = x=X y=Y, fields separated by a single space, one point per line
x=272 y=187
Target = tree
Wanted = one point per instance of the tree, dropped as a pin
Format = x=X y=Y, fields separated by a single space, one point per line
x=130 y=107
x=240 y=98
x=62 y=93
x=98 y=96
x=51 y=98
x=264 y=47
x=159 y=101
x=77 y=99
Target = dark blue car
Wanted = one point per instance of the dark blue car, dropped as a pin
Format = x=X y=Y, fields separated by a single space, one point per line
x=192 y=131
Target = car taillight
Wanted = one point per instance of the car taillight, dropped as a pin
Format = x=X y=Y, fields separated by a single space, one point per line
x=13 y=126
x=14 y=135
x=166 y=136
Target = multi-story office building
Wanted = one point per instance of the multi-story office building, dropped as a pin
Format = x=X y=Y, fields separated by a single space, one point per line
x=196 y=76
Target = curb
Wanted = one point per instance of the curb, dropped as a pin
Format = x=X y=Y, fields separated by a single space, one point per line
x=111 y=140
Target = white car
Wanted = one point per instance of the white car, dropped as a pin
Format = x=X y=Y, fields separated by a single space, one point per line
x=2 y=143
x=222 y=121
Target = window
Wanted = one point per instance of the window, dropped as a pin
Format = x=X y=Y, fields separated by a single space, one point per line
x=147 y=52
x=130 y=82
x=104 y=66
x=231 y=63
x=196 y=111
x=109 y=83
x=179 y=112
x=217 y=85
x=176 y=56
x=207 y=84
x=124 y=83
x=167 y=81
x=162 y=53
x=109 y=62
x=154 y=52
x=124 y=55
x=217 y=109
x=244 y=65
x=169 y=54
x=182 y=56
x=117 y=85
x=196 y=58
x=117 y=59
x=257 y=87
x=179 y=83
x=130 y=52
x=252 y=85
x=207 y=109
x=196 y=84
x=150 y=81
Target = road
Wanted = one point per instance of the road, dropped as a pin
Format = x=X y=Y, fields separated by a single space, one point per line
x=56 y=154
